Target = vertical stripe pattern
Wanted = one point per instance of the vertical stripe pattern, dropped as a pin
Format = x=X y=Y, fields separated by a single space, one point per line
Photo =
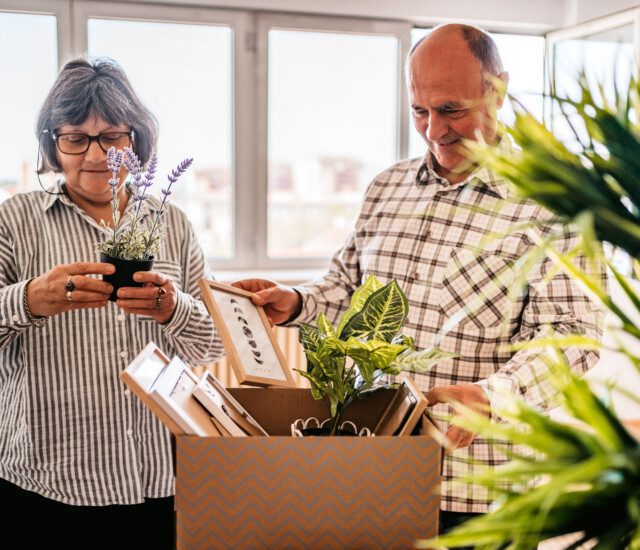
x=69 y=429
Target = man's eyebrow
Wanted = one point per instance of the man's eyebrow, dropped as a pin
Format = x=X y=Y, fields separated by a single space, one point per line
x=449 y=106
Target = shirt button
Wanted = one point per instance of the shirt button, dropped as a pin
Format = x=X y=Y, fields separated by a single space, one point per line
x=427 y=233
x=127 y=392
x=416 y=276
x=15 y=318
x=129 y=431
x=120 y=318
x=123 y=354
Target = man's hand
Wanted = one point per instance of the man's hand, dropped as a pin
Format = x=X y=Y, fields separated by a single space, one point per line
x=279 y=301
x=469 y=395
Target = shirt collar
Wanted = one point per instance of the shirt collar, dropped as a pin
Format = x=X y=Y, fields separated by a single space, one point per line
x=481 y=175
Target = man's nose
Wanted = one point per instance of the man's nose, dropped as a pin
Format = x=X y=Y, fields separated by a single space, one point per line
x=437 y=127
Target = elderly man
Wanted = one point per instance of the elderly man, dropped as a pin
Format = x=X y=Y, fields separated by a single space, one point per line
x=422 y=223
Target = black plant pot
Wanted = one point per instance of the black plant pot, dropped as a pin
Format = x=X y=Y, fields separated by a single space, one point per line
x=123 y=275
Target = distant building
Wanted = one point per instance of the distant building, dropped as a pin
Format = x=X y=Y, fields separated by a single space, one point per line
x=213 y=180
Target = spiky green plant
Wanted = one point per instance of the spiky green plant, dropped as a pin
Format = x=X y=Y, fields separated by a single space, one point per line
x=590 y=471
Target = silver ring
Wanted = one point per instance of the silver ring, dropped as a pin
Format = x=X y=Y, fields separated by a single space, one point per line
x=158 y=302
x=69 y=299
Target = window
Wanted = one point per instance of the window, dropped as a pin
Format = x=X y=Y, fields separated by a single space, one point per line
x=288 y=117
x=523 y=58
x=332 y=127
x=183 y=72
x=28 y=65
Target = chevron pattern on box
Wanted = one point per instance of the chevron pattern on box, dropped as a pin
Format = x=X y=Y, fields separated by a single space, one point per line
x=290 y=493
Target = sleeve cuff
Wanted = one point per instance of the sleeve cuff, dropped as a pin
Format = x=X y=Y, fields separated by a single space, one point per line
x=180 y=319
x=500 y=390
x=12 y=311
x=306 y=310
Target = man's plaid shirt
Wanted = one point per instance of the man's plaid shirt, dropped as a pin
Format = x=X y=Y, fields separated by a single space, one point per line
x=418 y=229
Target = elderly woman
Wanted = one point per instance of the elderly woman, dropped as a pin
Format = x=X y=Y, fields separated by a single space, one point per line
x=76 y=448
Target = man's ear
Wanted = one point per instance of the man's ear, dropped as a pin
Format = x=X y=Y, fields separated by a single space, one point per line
x=502 y=81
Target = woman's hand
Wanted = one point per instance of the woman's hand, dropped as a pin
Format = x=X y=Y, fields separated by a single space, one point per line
x=67 y=286
x=157 y=298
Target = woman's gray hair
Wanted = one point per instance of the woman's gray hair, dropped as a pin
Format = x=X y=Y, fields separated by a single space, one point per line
x=93 y=87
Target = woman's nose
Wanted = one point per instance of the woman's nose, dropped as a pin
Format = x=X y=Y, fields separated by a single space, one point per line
x=95 y=153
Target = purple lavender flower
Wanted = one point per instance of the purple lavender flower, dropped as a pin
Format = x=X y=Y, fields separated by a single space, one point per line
x=133 y=166
x=172 y=177
x=151 y=171
x=179 y=170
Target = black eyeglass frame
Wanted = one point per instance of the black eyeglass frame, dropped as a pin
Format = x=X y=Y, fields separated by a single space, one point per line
x=131 y=133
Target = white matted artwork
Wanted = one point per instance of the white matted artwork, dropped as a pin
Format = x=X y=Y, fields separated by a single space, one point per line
x=232 y=419
x=165 y=386
x=247 y=336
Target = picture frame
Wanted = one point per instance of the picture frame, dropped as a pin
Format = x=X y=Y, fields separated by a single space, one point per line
x=247 y=336
x=404 y=411
x=165 y=386
x=230 y=416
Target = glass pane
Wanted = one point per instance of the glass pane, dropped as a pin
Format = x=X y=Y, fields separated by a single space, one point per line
x=184 y=75
x=332 y=128
x=28 y=65
x=523 y=58
x=606 y=57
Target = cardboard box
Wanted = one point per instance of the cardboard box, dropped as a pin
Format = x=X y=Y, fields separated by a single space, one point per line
x=314 y=492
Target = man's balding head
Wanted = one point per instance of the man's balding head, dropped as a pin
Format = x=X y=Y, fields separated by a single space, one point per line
x=478 y=42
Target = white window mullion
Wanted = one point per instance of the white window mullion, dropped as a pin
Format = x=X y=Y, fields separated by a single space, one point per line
x=245 y=146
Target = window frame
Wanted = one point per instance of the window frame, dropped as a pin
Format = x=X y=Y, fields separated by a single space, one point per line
x=60 y=9
x=588 y=28
x=266 y=22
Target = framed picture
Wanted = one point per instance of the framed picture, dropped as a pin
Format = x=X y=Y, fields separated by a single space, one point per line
x=247 y=336
x=165 y=386
x=404 y=412
x=230 y=417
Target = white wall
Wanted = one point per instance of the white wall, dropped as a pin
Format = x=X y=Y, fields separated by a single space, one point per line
x=539 y=16
x=614 y=367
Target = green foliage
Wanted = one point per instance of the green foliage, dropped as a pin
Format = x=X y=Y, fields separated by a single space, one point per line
x=136 y=242
x=345 y=363
x=589 y=471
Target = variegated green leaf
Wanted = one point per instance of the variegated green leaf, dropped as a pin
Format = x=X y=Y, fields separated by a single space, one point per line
x=372 y=355
x=358 y=300
x=325 y=326
x=419 y=361
x=309 y=337
x=382 y=315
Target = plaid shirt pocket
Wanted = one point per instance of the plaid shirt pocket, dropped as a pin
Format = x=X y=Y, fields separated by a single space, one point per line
x=478 y=289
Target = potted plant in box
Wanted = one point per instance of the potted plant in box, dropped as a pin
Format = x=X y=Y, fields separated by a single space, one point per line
x=347 y=362
x=131 y=248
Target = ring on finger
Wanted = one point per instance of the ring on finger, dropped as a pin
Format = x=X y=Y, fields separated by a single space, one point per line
x=68 y=296
x=70 y=287
x=158 y=302
x=161 y=292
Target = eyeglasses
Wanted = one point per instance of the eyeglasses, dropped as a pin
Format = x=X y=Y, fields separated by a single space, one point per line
x=78 y=144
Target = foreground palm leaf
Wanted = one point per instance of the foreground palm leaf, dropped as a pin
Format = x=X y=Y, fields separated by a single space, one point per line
x=589 y=473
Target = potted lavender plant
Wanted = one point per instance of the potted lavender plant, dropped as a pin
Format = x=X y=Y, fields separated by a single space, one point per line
x=131 y=248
